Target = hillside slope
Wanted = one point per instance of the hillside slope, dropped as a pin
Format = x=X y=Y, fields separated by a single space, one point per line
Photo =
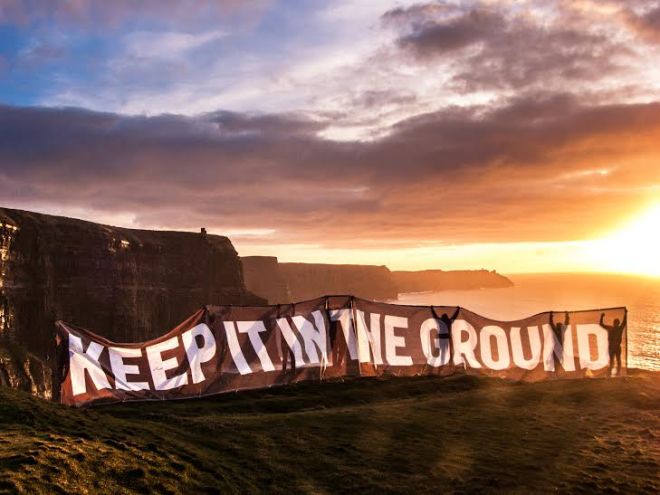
x=422 y=434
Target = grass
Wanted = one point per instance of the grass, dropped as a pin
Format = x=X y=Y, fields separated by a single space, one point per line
x=462 y=434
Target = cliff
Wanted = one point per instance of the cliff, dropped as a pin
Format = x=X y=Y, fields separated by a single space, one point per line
x=263 y=277
x=291 y=282
x=310 y=280
x=437 y=280
x=127 y=285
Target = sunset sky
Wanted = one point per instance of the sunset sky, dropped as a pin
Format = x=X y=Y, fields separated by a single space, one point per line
x=519 y=136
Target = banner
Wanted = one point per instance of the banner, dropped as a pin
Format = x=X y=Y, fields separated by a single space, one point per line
x=228 y=348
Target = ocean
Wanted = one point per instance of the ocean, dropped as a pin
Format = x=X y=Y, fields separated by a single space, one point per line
x=535 y=293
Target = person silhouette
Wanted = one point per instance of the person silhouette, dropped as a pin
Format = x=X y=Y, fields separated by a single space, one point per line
x=558 y=327
x=448 y=321
x=614 y=334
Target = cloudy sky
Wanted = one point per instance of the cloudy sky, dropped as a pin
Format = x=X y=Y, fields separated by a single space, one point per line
x=521 y=135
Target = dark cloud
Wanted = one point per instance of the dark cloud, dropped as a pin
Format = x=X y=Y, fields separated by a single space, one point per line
x=379 y=98
x=524 y=170
x=233 y=123
x=645 y=24
x=438 y=38
x=418 y=14
x=504 y=50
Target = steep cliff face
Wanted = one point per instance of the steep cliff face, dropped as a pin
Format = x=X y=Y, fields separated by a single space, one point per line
x=437 y=280
x=263 y=277
x=128 y=285
x=310 y=280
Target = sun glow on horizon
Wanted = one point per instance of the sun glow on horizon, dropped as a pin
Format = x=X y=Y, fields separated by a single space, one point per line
x=635 y=248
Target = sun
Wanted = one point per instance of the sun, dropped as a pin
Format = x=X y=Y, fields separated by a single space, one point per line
x=635 y=248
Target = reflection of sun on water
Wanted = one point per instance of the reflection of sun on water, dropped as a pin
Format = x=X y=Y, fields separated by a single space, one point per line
x=633 y=249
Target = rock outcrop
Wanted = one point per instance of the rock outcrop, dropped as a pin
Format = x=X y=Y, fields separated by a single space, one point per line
x=310 y=280
x=127 y=285
x=438 y=280
x=263 y=277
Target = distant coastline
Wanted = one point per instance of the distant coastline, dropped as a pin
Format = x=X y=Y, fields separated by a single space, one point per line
x=281 y=282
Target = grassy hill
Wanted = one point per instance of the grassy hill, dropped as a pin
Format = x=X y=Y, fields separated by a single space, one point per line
x=462 y=434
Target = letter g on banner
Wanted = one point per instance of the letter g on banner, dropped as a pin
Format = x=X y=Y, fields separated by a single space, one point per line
x=429 y=334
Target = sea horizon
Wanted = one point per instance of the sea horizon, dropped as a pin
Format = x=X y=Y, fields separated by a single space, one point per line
x=536 y=293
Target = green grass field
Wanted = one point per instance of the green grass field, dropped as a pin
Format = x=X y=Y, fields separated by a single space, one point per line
x=460 y=435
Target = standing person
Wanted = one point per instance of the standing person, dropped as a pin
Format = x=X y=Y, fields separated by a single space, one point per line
x=558 y=327
x=448 y=321
x=614 y=334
